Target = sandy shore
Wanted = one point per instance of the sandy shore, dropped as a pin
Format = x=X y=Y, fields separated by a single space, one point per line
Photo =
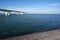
x=48 y=35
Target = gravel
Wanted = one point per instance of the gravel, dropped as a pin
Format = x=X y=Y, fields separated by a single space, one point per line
x=48 y=35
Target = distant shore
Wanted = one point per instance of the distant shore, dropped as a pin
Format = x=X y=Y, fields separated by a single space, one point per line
x=48 y=35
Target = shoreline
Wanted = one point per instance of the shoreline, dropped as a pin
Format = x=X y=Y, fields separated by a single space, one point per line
x=48 y=35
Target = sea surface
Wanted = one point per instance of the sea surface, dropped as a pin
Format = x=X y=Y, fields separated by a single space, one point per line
x=27 y=23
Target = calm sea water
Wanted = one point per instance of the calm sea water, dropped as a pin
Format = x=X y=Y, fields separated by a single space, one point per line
x=27 y=23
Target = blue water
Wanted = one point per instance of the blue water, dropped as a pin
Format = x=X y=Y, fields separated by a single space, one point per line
x=28 y=23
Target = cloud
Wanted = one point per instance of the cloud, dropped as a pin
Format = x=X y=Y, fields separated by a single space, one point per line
x=54 y=4
x=37 y=8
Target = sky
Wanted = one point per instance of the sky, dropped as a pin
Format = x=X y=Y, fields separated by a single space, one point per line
x=32 y=6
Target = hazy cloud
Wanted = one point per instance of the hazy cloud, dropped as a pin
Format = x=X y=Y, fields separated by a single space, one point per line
x=55 y=4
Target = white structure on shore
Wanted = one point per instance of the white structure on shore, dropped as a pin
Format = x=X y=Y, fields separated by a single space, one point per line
x=8 y=12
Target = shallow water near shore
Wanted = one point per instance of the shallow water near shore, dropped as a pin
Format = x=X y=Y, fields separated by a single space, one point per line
x=28 y=23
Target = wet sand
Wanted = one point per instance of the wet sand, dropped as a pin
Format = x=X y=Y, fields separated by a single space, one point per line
x=48 y=35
